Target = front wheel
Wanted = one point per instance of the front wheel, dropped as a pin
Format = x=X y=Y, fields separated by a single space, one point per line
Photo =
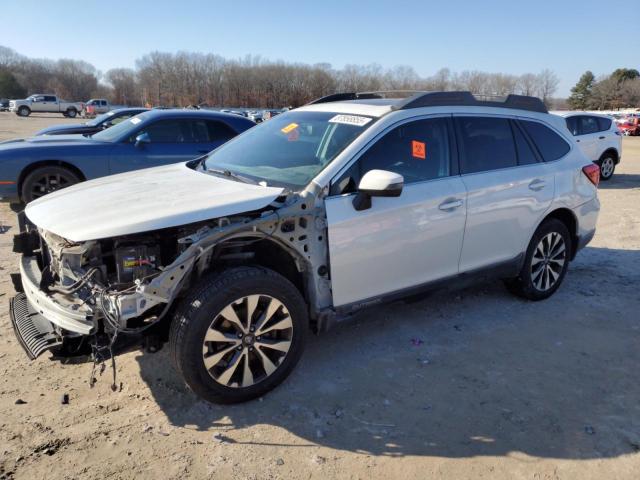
x=607 y=167
x=45 y=180
x=239 y=334
x=545 y=264
x=24 y=111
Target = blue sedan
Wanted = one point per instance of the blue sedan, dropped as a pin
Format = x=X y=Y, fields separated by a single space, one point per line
x=101 y=122
x=31 y=168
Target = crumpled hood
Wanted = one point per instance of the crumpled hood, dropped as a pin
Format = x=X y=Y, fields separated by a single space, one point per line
x=144 y=200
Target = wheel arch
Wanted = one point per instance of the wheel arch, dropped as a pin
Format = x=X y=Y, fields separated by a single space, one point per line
x=613 y=152
x=566 y=216
x=264 y=251
x=47 y=163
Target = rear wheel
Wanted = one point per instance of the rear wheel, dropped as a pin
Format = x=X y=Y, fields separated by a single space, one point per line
x=607 y=167
x=239 y=335
x=546 y=262
x=45 y=180
x=71 y=113
x=24 y=111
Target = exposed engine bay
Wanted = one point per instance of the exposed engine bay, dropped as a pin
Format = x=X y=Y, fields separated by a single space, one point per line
x=128 y=284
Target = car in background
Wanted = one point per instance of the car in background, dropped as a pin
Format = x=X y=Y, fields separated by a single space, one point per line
x=255 y=115
x=598 y=137
x=629 y=126
x=95 y=106
x=4 y=104
x=45 y=104
x=31 y=168
x=96 y=125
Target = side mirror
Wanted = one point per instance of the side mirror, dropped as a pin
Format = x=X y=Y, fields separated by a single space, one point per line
x=377 y=183
x=142 y=139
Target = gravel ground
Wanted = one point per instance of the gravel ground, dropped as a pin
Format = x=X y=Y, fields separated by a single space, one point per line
x=462 y=384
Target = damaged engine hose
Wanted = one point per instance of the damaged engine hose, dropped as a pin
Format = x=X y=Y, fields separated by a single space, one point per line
x=77 y=285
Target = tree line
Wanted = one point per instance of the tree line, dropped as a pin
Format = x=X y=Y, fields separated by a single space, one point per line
x=620 y=89
x=187 y=78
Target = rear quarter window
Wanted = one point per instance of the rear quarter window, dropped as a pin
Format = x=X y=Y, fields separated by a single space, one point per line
x=604 y=124
x=550 y=145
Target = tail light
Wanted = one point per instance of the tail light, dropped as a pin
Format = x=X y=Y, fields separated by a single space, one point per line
x=592 y=171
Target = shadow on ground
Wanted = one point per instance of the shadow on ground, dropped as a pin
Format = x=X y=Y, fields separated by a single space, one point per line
x=621 y=181
x=494 y=375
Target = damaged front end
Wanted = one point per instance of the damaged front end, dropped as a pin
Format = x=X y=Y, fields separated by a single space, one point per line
x=75 y=293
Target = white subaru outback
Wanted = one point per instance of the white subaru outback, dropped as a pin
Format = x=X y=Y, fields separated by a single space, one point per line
x=347 y=202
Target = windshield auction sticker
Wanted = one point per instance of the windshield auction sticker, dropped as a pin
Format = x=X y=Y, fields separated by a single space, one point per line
x=289 y=128
x=356 y=120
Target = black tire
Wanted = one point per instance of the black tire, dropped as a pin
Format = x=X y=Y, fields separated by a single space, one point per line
x=45 y=180
x=71 y=113
x=524 y=285
x=24 y=111
x=607 y=164
x=197 y=313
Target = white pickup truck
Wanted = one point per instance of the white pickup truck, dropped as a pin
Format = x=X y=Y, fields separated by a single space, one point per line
x=45 y=103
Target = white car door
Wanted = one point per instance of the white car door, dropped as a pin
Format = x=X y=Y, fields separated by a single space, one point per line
x=400 y=242
x=588 y=136
x=509 y=189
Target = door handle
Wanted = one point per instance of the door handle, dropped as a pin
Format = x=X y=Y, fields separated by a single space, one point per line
x=578 y=140
x=450 y=204
x=537 y=185
x=602 y=138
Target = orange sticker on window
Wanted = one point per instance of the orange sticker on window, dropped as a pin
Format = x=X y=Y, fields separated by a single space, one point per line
x=418 y=149
x=289 y=128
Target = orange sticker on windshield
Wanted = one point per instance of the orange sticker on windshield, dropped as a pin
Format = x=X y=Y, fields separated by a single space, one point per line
x=418 y=149
x=289 y=128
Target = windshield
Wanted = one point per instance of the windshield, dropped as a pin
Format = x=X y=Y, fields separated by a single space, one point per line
x=99 y=119
x=121 y=129
x=290 y=149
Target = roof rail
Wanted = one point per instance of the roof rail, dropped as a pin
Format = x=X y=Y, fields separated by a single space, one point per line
x=341 y=97
x=417 y=99
x=437 y=99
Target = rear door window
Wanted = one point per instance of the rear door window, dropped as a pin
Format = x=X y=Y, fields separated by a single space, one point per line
x=588 y=125
x=486 y=143
x=211 y=131
x=550 y=145
x=526 y=156
x=604 y=124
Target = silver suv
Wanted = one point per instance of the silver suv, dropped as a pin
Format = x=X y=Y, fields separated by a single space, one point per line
x=296 y=224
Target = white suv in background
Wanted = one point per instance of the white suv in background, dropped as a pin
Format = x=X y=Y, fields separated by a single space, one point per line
x=598 y=137
x=350 y=201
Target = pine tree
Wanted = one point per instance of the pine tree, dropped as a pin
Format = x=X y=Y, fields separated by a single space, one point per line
x=581 y=92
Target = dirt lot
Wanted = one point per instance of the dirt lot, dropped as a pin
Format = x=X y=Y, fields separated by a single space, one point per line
x=500 y=388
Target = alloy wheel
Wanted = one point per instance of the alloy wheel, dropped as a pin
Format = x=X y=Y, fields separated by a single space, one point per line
x=247 y=341
x=49 y=183
x=606 y=167
x=548 y=261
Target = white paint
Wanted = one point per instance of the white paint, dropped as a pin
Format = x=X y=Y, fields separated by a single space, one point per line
x=144 y=200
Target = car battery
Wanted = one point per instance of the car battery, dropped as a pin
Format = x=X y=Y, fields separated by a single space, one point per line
x=135 y=262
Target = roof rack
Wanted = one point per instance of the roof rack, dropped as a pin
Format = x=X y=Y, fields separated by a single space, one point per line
x=418 y=99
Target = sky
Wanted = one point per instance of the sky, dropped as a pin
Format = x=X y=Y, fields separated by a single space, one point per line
x=567 y=36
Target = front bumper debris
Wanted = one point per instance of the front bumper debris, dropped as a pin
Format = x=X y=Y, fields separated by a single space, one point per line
x=34 y=332
x=75 y=318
